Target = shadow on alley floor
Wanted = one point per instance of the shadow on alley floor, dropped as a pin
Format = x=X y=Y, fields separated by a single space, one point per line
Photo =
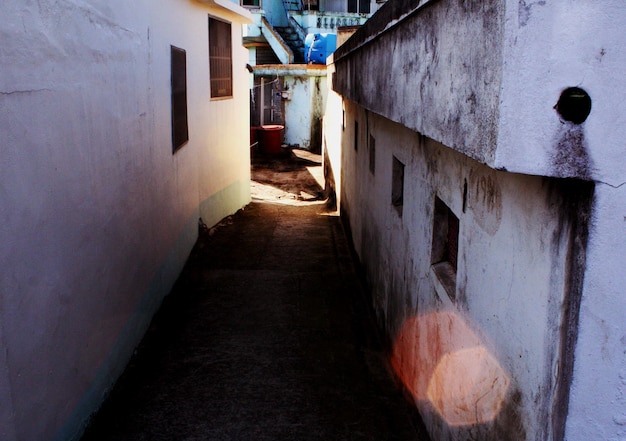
x=266 y=335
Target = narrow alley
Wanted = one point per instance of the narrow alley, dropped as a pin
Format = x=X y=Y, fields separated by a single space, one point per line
x=266 y=335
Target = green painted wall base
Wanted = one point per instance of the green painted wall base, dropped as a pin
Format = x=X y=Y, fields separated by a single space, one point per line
x=211 y=210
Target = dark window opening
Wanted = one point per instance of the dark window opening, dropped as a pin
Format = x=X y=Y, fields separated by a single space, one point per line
x=220 y=58
x=311 y=5
x=180 y=130
x=452 y=248
x=251 y=3
x=464 y=195
x=360 y=6
x=266 y=55
x=445 y=246
x=372 y=155
x=397 y=185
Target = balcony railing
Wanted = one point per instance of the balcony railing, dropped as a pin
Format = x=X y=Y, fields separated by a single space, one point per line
x=314 y=21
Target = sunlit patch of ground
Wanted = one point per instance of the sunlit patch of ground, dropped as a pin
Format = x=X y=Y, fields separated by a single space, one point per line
x=295 y=178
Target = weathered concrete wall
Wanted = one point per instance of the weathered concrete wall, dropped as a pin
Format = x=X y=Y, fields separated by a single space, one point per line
x=98 y=215
x=485 y=362
x=485 y=79
x=489 y=75
x=548 y=47
x=304 y=111
x=445 y=58
x=597 y=408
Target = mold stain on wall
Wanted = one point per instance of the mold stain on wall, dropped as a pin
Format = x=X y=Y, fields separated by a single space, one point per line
x=485 y=199
x=525 y=10
x=570 y=157
x=576 y=202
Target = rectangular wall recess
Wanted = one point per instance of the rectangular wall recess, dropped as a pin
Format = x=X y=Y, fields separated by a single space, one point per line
x=445 y=248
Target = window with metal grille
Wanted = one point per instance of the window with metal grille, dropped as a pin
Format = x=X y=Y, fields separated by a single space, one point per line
x=180 y=131
x=220 y=58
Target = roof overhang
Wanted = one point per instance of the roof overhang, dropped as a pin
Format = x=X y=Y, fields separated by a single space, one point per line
x=228 y=6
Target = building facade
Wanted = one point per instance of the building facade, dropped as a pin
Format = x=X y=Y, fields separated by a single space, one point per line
x=474 y=149
x=122 y=123
x=285 y=88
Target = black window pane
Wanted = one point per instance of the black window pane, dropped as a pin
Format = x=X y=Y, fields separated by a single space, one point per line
x=180 y=132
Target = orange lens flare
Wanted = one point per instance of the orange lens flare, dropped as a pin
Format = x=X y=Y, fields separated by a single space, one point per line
x=468 y=387
x=441 y=360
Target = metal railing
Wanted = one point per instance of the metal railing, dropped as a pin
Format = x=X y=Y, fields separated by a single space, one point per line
x=333 y=20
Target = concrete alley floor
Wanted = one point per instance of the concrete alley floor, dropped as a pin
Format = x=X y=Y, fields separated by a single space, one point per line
x=266 y=335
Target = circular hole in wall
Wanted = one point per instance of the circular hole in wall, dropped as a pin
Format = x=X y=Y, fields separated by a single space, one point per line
x=574 y=105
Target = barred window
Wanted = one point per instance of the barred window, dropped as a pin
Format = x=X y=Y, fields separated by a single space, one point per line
x=220 y=58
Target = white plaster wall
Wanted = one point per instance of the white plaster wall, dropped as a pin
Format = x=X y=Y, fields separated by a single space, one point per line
x=304 y=109
x=97 y=214
x=597 y=408
x=332 y=138
x=549 y=46
x=298 y=111
x=512 y=266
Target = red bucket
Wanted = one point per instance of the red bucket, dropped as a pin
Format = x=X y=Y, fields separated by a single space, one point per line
x=271 y=138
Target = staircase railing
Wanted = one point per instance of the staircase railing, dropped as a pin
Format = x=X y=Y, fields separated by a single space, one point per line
x=276 y=42
x=298 y=28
